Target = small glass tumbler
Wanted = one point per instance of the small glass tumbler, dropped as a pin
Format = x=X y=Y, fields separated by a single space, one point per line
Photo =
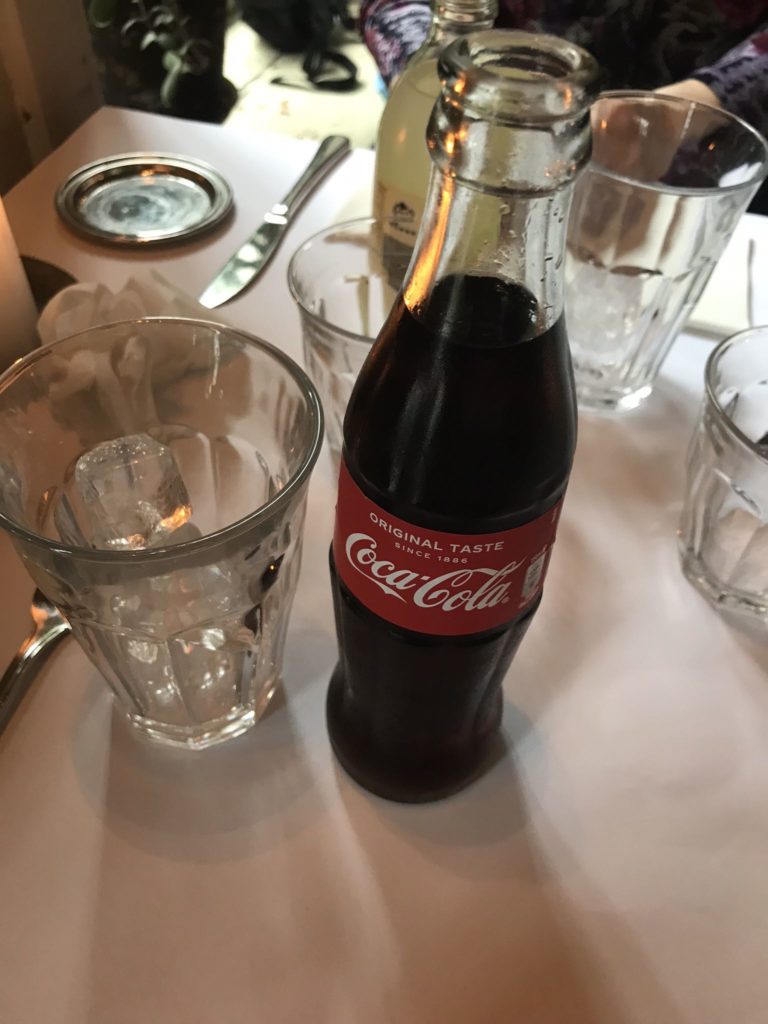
x=153 y=478
x=723 y=535
x=344 y=283
x=651 y=215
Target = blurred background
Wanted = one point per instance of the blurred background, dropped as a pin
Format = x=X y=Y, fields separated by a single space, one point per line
x=294 y=67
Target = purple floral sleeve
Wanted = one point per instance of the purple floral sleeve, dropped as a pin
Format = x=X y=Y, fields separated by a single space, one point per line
x=740 y=80
x=393 y=30
x=640 y=43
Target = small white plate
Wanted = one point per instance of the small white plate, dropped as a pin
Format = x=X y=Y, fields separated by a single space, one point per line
x=142 y=199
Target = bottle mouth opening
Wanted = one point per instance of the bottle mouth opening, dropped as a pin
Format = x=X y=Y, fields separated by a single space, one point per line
x=524 y=64
x=520 y=77
x=467 y=10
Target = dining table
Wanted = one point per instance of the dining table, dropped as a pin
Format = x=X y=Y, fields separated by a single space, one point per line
x=610 y=868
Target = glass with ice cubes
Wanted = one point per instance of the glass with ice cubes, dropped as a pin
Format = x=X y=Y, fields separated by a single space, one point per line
x=723 y=536
x=153 y=478
x=651 y=215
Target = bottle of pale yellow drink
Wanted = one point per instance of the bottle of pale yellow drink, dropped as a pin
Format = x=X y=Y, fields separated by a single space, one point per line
x=402 y=161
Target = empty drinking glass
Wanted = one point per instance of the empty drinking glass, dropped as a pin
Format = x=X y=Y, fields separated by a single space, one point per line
x=723 y=534
x=651 y=215
x=153 y=478
x=344 y=292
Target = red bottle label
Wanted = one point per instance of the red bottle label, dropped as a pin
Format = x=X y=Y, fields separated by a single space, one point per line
x=445 y=584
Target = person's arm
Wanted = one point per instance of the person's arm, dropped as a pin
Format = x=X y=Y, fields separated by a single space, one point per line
x=739 y=80
x=393 y=30
x=692 y=89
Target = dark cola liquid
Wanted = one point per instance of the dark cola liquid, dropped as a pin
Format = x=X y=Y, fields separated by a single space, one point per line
x=463 y=421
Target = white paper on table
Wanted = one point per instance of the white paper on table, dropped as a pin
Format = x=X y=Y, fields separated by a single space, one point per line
x=81 y=306
x=723 y=308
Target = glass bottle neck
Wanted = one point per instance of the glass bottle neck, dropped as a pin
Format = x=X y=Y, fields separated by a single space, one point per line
x=507 y=137
x=516 y=239
x=454 y=18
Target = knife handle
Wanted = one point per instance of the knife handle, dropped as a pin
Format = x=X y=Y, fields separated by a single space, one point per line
x=329 y=152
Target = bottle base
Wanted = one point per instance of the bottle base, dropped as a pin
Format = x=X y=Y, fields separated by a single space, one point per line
x=408 y=780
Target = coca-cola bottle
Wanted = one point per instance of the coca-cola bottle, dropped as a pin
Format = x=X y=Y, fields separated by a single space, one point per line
x=460 y=432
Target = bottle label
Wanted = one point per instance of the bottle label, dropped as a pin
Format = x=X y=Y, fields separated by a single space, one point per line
x=444 y=584
x=399 y=213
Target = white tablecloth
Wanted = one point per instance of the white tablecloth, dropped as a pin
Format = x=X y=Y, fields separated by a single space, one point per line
x=611 y=869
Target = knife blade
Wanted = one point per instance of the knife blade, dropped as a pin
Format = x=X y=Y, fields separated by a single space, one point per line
x=253 y=255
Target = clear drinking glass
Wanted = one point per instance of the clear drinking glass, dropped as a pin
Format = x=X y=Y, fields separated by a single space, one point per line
x=651 y=215
x=723 y=536
x=344 y=294
x=153 y=478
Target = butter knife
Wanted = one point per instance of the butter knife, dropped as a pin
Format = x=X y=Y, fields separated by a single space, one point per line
x=254 y=254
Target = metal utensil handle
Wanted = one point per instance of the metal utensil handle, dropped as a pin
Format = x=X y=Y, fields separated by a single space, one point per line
x=18 y=677
x=329 y=152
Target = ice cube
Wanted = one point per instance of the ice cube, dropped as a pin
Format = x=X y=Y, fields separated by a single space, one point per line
x=125 y=494
x=188 y=640
x=604 y=308
x=748 y=409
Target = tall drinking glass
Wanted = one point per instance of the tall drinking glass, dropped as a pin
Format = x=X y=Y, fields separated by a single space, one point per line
x=344 y=291
x=153 y=478
x=668 y=181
